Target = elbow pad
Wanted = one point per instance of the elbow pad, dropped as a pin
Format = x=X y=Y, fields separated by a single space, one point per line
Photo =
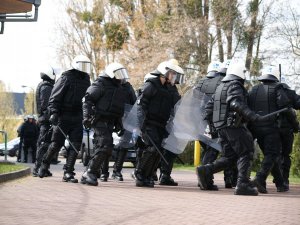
x=244 y=111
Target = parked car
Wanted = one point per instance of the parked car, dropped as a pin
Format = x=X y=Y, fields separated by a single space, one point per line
x=12 y=147
x=87 y=152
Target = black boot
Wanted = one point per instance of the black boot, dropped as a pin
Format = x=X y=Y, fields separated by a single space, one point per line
x=44 y=169
x=166 y=169
x=40 y=153
x=167 y=180
x=244 y=186
x=143 y=170
x=260 y=182
x=205 y=177
x=69 y=168
x=89 y=177
x=118 y=166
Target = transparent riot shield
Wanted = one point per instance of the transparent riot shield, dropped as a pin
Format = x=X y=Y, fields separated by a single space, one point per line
x=133 y=120
x=188 y=123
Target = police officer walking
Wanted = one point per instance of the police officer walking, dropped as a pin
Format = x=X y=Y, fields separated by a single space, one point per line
x=288 y=125
x=228 y=111
x=65 y=107
x=154 y=109
x=208 y=85
x=125 y=140
x=166 y=169
x=43 y=92
x=103 y=108
x=266 y=98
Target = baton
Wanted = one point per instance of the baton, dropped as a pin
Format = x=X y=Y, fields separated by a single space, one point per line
x=157 y=149
x=179 y=159
x=67 y=138
x=274 y=113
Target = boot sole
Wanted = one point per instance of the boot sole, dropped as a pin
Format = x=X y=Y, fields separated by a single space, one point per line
x=87 y=183
x=246 y=193
x=70 y=181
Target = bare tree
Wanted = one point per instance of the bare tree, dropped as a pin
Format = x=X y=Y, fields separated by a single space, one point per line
x=8 y=121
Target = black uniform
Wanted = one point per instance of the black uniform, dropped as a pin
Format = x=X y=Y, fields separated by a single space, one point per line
x=65 y=104
x=104 y=104
x=288 y=125
x=155 y=104
x=266 y=98
x=20 y=147
x=29 y=134
x=43 y=92
x=123 y=144
x=228 y=111
x=208 y=85
x=166 y=170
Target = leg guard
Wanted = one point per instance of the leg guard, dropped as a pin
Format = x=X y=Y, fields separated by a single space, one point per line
x=40 y=154
x=244 y=186
x=166 y=170
x=44 y=169
x=143 y=169
x=118 y=166
x=104 y=170
x=69 y=167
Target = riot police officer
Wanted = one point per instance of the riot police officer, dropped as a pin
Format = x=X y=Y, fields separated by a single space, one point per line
x=154 y=109
x=65 y=105
x=43 y=92
x=29 y=135
x=166 y=169
x=125 y=141
x=208 y=85
x=228 y=111
x=103 y=109
x=288 y=125
x=266 y=98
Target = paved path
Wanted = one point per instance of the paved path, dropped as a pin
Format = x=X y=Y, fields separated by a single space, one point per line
x=51 y=201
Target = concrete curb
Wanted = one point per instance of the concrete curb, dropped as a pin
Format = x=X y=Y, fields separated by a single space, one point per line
x=14 y=175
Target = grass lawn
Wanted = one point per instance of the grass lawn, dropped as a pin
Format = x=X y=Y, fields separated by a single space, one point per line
x=7 y=168
x=293 y=179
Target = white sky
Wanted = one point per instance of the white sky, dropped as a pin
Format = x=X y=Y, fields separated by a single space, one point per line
x=26 y=46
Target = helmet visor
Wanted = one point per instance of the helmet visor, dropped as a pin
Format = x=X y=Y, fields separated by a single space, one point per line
x=175 y=78
x=211 y=74
x=180 y=78
x=84 y=67
x=121 y=74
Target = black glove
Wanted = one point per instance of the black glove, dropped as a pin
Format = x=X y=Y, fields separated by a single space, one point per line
x=87 y=123
x=54 y=119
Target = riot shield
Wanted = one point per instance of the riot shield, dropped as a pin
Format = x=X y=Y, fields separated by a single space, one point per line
x=133 y=120
x=188 y=123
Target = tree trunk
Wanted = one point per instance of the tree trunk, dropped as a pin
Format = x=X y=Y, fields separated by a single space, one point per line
x=220 y=43
x=254 y=5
